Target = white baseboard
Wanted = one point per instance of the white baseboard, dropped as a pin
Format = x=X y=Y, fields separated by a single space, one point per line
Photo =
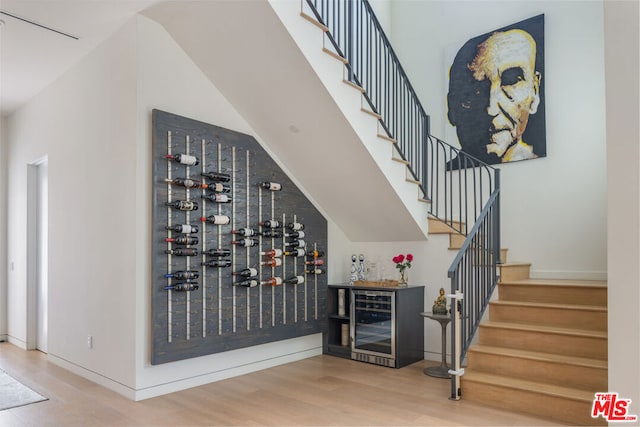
x=231 y=372
x=106 y=382
x=4 y=337
x=183 y=384
x=568 y=275
x=17 y=342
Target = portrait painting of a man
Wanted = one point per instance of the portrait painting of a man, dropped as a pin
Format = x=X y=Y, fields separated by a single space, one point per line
x=495 y=98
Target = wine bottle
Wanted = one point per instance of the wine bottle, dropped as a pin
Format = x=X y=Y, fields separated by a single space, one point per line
x=272 y=253
x=219 y=252
x=271 y=223
x=273 y=233
x=247 y=272
x=296 y=234
x=272 y=262
x=273 y=186
x=183 y=228
x=183 y=240
x=315 y=262
x=296 y=244
x=272 y=281
x=186 y=182
x=217 y=219
x=295 y=280
x=245 y=243
x=217 y=197
x=183 y=287
x=295 y=226
x=184 y=159
x=315 y=254
x=245 y=232
x=248 y=283
x=314 y=271
x=217 y=176
x=219 y=187
x=217 y=263
x=183 y=205
x=182 y=252
x=295 y=252
x=183 y=275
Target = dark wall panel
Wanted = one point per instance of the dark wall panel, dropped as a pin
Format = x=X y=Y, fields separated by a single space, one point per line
x=219 y=315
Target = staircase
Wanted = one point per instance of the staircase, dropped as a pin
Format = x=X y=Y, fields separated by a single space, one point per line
x=543 y=349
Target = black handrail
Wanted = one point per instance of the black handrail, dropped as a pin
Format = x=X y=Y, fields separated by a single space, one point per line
x=464 y=192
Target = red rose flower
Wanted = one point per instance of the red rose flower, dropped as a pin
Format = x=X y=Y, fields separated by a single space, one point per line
x=409 y=257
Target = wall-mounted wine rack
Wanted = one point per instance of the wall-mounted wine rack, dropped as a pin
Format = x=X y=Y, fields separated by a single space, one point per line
x=210 y=186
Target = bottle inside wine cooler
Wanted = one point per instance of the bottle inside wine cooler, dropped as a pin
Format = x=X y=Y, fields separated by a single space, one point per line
x=315 y=262
x=315 y=254
x=295 y=252
x=315 y=271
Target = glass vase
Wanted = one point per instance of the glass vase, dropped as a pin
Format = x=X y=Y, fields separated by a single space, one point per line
x=404 y=278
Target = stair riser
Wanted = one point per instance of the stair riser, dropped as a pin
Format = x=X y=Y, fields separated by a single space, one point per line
x=514 y=272
x=439 y=227
x=546 y=316
x=561 y=374
x=530 y=402
x=568 y=345
x=580 y=295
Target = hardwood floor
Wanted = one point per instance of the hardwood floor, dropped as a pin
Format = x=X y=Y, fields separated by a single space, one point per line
x=320 y=391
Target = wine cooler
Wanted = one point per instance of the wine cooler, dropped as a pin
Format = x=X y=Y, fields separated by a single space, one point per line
x=373 y=326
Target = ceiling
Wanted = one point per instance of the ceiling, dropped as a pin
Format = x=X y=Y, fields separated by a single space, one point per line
x=32 y=57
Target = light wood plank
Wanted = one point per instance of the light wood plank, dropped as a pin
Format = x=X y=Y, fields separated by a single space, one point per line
x=319 y=391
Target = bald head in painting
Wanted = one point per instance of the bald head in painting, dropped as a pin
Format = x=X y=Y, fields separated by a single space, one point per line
x=493 y=89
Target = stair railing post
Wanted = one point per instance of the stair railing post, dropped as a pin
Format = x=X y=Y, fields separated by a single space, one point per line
x=456 y=370
x=496 y=216
x=349 y=37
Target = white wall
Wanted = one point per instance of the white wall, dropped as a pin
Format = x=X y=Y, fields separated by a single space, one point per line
x=553 y=209
x=623 y=160
x=3 y=231
x=85 y=124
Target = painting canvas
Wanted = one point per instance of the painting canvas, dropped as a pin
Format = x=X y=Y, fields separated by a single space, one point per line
x=495 y=98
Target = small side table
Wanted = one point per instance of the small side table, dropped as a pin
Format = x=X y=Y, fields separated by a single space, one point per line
x=441 y=371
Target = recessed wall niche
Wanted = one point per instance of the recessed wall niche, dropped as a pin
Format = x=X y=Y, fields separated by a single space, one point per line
x=238 y=252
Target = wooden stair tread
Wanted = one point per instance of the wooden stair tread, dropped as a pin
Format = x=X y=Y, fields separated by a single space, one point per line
x=335 y=55
x=540 y=356
x=560 y=282
x=369 y=112
x=399 y=160
x=524 y=304
x=515 y=264
x=359 y=89
x=314 y=22
x=388 y=138
x=544 y=329
x=518 y=384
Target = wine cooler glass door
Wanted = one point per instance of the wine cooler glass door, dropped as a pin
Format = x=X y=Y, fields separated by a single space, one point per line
x=373 y=323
